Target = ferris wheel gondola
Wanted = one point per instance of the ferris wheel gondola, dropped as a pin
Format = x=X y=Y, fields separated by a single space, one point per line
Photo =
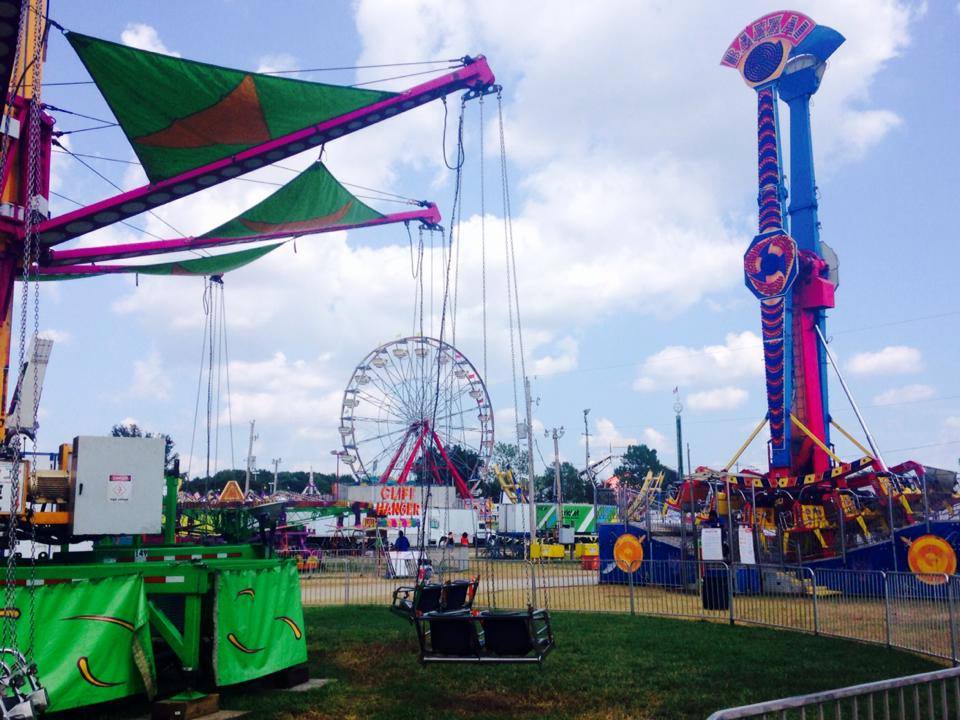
x=417 y=409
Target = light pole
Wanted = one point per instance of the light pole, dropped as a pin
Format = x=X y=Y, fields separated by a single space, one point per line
x=336 y=485
x=557 y=433
x=251 y=459
x=276 y=467
x=678 y=408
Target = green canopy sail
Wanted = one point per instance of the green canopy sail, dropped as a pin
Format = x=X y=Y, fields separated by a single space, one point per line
x=181 y=114
x=214 y=265
x=312 y=201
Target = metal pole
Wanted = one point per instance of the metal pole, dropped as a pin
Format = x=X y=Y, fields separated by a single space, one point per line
x=649 y=529
x=730 y=516
x=853 y=403
x=558 y=489
x=953 y=620
x=689 y=461
x=531 y=474
x=276 y=467
x=590 y=477
x=843 y=531
x=886 y=606
x=246 y=481
x=679 y=443
x=893 y=529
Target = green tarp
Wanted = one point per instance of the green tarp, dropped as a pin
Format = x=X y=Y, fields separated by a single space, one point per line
x=92 y=640
x=312 y=201
x=181 y=114
x=215 y=265
x=258 y=623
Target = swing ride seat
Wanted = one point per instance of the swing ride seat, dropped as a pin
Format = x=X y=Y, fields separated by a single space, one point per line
x=410 y=601
x=451 y=596
x=459 y=594
x=486 y=637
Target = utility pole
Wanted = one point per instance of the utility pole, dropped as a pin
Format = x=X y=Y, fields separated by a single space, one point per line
x=557 y=433
x=276 y=467
x=678 y=408
x=531 y=475
x=250 y=459
x=586 y=468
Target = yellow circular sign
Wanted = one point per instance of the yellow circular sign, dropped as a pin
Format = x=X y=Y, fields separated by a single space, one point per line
x=931 y=554
x=628 y=553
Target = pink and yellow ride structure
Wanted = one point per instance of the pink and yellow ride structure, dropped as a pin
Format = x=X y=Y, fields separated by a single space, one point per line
x=811 y=506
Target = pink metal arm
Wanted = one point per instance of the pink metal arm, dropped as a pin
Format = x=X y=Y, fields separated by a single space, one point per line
x=475 y=75
x=53 y=258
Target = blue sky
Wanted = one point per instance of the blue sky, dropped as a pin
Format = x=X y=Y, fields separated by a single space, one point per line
x=633 y=170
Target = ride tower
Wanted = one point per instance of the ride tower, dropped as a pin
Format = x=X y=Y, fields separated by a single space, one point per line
x=783 y=55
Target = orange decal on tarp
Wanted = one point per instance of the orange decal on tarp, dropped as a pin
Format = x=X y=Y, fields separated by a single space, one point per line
x=237 y=119
x=296 y=226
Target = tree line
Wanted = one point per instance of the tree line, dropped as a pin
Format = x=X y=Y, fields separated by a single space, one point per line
x=575 y=487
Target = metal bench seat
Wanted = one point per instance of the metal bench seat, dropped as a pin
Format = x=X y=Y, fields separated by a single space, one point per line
x=486 y=637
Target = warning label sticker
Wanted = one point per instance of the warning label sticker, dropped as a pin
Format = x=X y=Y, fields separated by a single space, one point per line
x=119 y=488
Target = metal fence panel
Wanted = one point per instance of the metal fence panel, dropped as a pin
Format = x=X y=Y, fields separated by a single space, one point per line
x=776 y=596
x=928 y=696
x=913 y=612
x=851 y=604
x=919 y=612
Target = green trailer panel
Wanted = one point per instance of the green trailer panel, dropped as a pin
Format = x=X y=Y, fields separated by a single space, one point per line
x=92 y=641
x=258 y=623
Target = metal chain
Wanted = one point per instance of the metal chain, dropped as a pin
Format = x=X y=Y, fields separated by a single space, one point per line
x=33 y=182
x=483 y=245
x=446 y=284
x=508 y=230
x=508 y=265
x=9 y=623
x=226 y=367
x=210 y=308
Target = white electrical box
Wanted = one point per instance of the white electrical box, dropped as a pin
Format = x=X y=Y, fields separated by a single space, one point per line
x=118 y=485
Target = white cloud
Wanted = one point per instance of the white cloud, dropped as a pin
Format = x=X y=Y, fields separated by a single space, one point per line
x=505 y=420
x=905 y=394
x=865 y=128
x=740 y=356
x=59 y=337
x=277 y=62
x=564 y=361
x=145 y=37
x=607 y=436
x=150 y=382
x=654 y=439
x=723 y=398
x=580 y=170
x=891 y=360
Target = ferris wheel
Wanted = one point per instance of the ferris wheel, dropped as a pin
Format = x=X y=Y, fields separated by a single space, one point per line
x=398 y=423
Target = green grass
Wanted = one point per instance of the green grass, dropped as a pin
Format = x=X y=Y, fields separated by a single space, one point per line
x=604 y=666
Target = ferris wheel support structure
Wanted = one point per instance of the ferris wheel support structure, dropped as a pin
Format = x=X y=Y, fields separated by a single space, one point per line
x=417 y=406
